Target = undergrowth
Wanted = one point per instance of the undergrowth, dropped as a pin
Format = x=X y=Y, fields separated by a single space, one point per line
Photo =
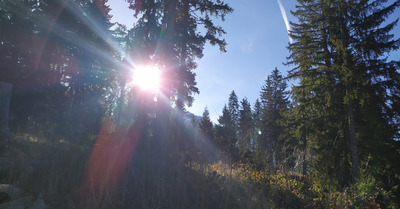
x=293 y=190
x=56 y=171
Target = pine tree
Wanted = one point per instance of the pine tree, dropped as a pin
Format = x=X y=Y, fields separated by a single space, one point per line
x=274 y=98
x=317 y=97
x=340 y=53
x=258 y=154
x=257 y=112
x=245 y=130
x=233 y=107
x=206 y=125
x=206 y=128
x=225 y=135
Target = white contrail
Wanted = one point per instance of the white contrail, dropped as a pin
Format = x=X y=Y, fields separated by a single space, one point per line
x=284 y=16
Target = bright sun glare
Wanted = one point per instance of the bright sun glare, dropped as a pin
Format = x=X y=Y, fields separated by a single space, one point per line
x=146 y=77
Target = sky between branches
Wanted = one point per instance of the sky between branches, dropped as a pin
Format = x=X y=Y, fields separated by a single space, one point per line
x=257 y=37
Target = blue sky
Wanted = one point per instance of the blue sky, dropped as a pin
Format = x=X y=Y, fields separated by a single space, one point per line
x=257 y=39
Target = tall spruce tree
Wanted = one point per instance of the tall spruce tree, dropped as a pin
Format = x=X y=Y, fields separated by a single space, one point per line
x=317 y=88
x=245 y=130
x=257 y=112
x=258 y=154
x=274 y=98
x=225 y=135
x=206 y=125
x=207 y=135
x=341 y=54
x=233 y=107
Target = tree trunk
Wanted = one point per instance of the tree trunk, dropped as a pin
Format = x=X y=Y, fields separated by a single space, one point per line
x=305 y=165
x=353 y=140
x=348 y=63
x=5 y=95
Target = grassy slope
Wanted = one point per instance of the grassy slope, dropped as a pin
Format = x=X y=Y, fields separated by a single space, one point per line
x=57 y=170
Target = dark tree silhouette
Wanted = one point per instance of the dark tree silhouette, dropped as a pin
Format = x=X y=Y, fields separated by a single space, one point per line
x=167 y=35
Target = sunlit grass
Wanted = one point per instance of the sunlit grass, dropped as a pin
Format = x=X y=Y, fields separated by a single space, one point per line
x=289 y=186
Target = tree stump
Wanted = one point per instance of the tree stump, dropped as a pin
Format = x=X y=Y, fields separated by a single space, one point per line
x=5 y=96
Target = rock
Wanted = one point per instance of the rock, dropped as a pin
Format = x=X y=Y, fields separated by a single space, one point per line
x=21 y=203
x=38 y=204
x=25 y=203
x=4 y=197
x=12 y=191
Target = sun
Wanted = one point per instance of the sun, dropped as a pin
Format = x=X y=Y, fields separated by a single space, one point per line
x=147 y=78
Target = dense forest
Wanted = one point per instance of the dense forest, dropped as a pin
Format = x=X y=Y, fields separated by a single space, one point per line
x=77 y=132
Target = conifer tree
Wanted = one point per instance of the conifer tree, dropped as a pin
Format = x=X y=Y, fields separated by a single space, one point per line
x=225 y=135
x=340 y=52
x=258 y=154
x=206 y=125
x=257 y=112
x=209 y=143
x=274 y=98
x=233 y=107
x=317 y=87
x=245 y=130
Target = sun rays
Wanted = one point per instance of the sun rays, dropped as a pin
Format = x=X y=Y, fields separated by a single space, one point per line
x=146 y=78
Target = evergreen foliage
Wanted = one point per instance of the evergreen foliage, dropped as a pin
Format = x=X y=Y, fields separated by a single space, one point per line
x=274 y=99
x=58 y=63
x=343 y=100
x=205 y=125
x=245 y=130
x=225 y=135
x=233 y=107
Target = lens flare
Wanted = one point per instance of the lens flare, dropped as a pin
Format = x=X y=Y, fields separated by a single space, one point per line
x=147 y=78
